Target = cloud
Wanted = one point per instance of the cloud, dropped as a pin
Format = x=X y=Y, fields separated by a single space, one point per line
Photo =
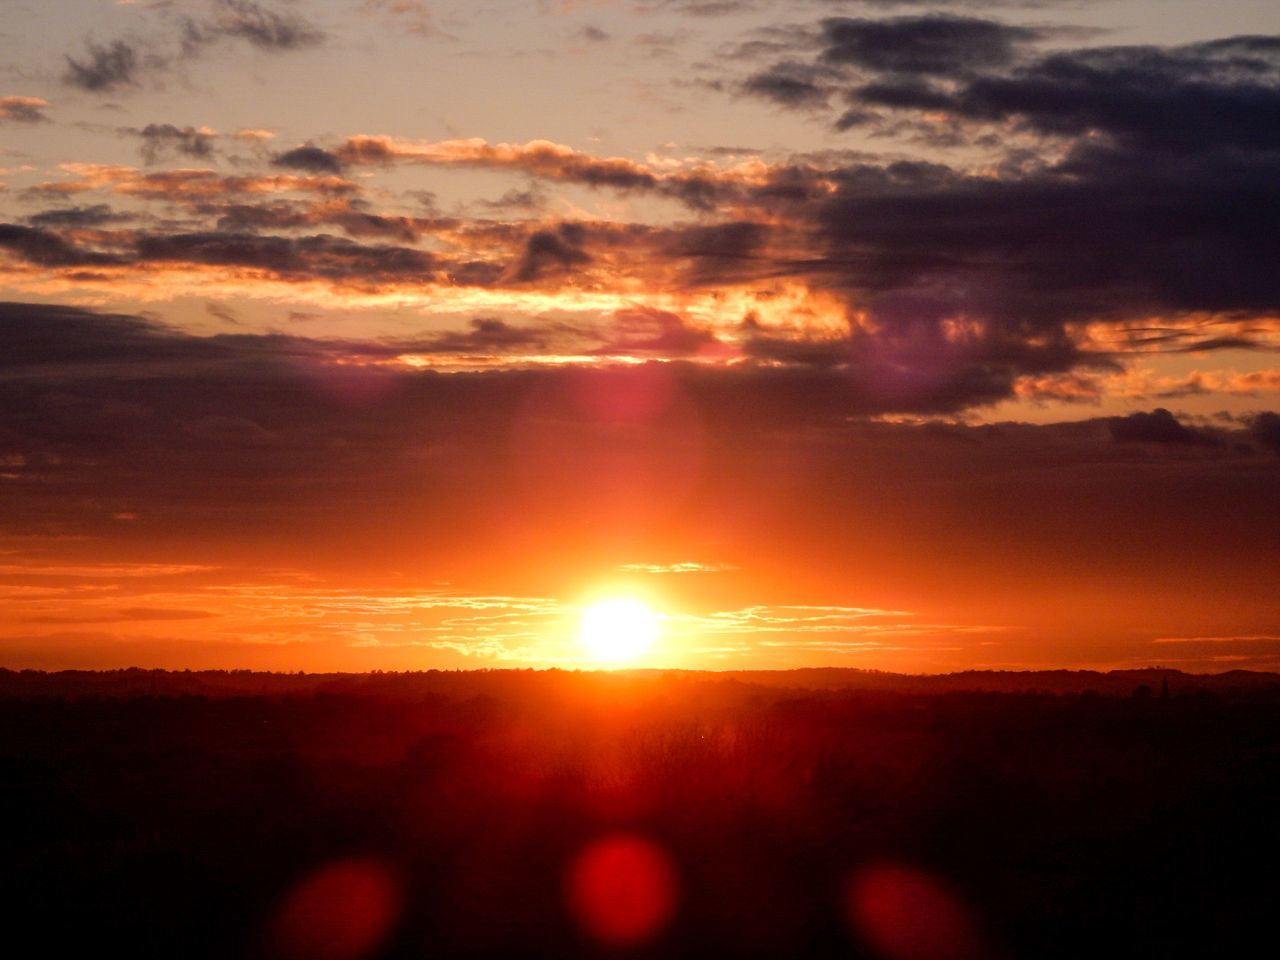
x=323 y=257
x=556 y=250
x=698 y=188
x=1191 y=99
x=23 y=109
x=196 y=185
x=918 y=286
x=91 y=216
x=703 y=8
x=348 y=214
x=1158 y=426
x=721 y=253
x=936 y=45
x=1175 y=238
x=183 y=35
x=48 y=249
x=310 y=158
x=407 y=16
x=791 y=85
x=486 y=335
x=162 y=140
x=1256 y=638
x=262 y=26
x=1265 y=428
x=126 y=615
x=531 y=199
x=1073 y=387
x=256 y=445
x=35 y=335
x=538 y=157
x=647 y=330
x=684 y=567
x=104 y=66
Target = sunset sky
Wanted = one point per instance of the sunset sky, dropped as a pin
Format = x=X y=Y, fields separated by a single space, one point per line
x=386 y=334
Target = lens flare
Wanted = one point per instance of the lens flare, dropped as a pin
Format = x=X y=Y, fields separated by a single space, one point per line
x=908 y=914
x=622 y=889
x=344 y=911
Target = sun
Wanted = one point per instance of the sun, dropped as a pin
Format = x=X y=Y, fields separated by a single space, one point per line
x=618 y=628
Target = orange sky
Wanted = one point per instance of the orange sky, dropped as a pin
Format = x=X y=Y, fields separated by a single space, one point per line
x=366 y=335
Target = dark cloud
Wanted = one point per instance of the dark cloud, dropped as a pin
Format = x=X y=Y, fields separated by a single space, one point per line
x=720 y=254
x=222 y=312
x=103 y=66
x=723 y=240
x=906 y=94
x=1103 y=236
x=310 y=158
x=162 y=140
x=938 y=44
x=1164 y=203
x=917 y=367
x=790 y=84
x=552 y=251
x=1265 y=428
x=91 y=216
x=1224 y=94
x=315 y=257
x=264 y=27
x=531 y=199
x=487 y=335
x=653 y=331
x=48 y=335
x=1158 y=426
x=348 y=215
x=592 y=34
x=120 y=62
x=47 y=249
x=323 y=257
x=1197 y=97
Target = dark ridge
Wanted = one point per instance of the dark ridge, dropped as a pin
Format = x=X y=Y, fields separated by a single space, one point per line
x=135 y=681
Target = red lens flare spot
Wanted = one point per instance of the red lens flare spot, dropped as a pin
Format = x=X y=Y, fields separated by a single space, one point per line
x=622 y=889
x=906 y=914
x=344 y=911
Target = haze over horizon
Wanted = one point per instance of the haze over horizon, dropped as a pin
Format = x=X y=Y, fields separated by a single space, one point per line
x=374 y=334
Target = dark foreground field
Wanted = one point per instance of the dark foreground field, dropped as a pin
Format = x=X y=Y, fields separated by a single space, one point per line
x=520 y=814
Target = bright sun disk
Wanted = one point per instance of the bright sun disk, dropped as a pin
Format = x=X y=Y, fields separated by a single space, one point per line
x=618 y=628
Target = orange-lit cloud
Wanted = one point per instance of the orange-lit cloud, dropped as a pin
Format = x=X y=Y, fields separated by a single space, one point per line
x=703 y=186
x=23 y=109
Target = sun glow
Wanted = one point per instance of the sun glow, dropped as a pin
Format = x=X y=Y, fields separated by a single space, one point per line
x=618 y=628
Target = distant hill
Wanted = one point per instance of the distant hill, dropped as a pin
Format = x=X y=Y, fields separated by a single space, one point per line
x=135 y=682
x=1009 y=681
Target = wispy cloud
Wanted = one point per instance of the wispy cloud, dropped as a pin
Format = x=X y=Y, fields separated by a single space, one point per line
x=182 y=34
x=685 y=567
x=1253 y=638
